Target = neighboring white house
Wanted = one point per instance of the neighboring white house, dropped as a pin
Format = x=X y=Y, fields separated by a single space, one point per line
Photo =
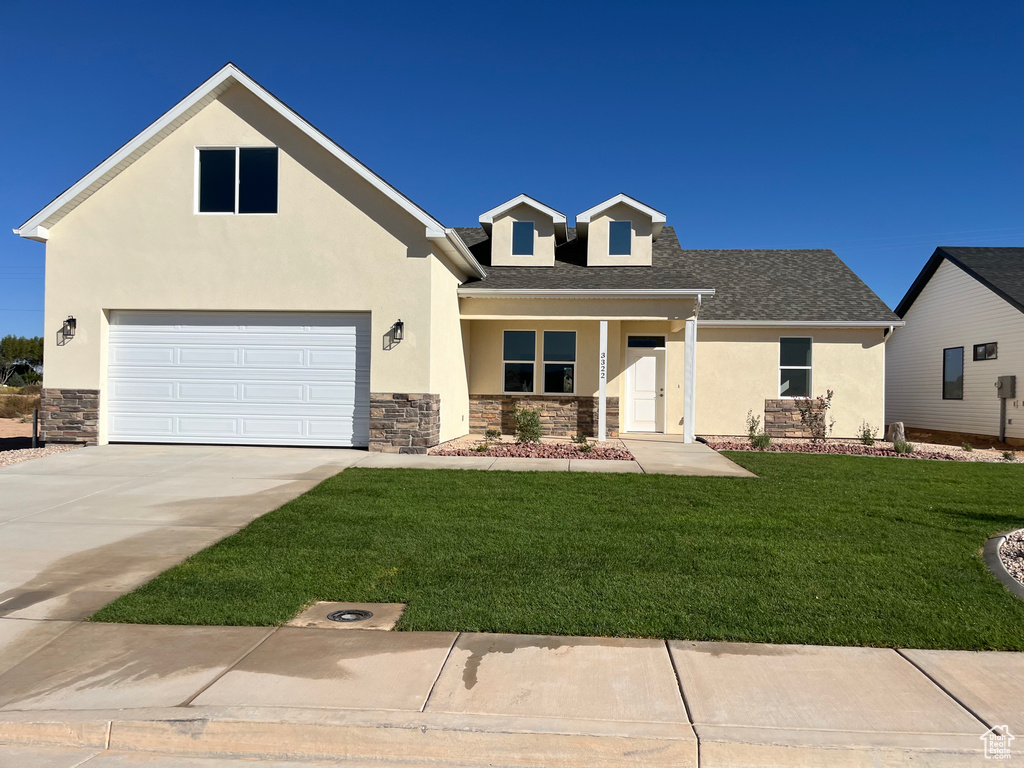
x=964 y=330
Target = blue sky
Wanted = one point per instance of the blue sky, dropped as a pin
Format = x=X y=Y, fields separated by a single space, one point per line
x=880 y=130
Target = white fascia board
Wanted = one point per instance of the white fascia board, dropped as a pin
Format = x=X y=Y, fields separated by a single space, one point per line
x=801 y=323
x=589 y=293
x=39 y=234
x=227 y=76
x=657 y=217
x=487 y=218
x=455 y=249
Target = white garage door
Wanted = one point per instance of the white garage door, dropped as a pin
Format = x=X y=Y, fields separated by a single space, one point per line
x=255 y=378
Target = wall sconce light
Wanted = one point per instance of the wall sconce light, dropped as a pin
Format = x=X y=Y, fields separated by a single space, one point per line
x=398 y=331
x=68 y=329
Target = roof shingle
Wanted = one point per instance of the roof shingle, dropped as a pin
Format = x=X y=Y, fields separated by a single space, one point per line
x=784 y=285
x=999 y=269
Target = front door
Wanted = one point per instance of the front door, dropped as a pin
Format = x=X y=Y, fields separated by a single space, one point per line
x=645 y=390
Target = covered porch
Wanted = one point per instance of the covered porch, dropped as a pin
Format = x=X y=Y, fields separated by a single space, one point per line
x=598 y=365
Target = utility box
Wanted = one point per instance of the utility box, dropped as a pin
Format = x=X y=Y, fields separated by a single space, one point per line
x=1006 y=387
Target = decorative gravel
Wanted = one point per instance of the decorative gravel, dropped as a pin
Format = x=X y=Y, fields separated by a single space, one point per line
x=25 y=454
x=1012 y=554
x=548 y=448
x=855 y=448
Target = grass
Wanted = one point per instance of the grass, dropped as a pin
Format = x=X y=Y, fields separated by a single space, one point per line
x=834 y=550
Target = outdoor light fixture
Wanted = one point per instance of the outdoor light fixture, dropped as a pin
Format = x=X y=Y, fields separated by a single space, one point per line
x=68 y=330
x=398 y=330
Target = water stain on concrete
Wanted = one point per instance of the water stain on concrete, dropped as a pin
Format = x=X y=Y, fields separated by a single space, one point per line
x=738 y=649
x=482 y=645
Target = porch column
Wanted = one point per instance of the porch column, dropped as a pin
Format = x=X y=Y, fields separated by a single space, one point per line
x=689 y=379
x=602 y=383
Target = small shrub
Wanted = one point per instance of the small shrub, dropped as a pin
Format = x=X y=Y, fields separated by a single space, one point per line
x=483 y=447
x=1009 y=455
x=761 y=441
x=579 y=439
x=527 y=421
x=753 y=425
x=967 y=447
x=814 y=415
x=586 y=447
x=902 y=446
x=492 y=434
x=868 y=434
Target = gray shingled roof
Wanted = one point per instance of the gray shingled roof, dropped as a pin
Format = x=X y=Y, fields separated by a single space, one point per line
x=999 y=269
x=789 y=285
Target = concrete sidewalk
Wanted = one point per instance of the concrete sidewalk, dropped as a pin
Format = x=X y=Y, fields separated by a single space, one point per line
x=445 y=698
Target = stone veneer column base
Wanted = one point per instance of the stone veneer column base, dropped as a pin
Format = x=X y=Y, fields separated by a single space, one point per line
x=782 y=419
x=403 y=422
x=69 y=416
x=560 y=416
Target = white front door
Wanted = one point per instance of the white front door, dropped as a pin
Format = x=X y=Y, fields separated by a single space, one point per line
x=645 y=390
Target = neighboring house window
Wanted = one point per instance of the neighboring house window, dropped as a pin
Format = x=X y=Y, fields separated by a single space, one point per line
x=953 y=373
x=986 y=351
x=620 y=238
x=559 y=362
x=238 y=180
x=519 y=353
x=794 y=367
x=522 y=238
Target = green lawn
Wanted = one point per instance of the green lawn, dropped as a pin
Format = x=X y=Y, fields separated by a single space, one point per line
x=819 y=549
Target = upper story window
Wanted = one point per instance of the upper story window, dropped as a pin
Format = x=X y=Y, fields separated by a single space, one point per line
x=237 y=180
x=522 y=238
x=795 y=366
x=988 y=351
x=953 y=373
x=620 y=238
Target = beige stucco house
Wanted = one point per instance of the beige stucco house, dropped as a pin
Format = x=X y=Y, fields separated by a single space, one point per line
x=233 y=276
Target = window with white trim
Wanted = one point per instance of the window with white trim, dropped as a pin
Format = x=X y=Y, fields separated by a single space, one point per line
x=559 y=362
x=237 y=180
x=620 y=238
x=519 y=355
x=522 y=238
x=794 y=366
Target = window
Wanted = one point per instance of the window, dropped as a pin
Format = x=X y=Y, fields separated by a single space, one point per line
x=953 y=373
x=620 y=238
x=522 y=238
x=794 y=367
x=559 y=362
x=650 y=342
x=519 y=353
x=986 y=351
x=238 y=180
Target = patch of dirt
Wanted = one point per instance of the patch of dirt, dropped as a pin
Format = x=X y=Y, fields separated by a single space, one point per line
x=20 y=427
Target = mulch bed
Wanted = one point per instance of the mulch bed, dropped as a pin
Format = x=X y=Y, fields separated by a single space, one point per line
x=541 y=451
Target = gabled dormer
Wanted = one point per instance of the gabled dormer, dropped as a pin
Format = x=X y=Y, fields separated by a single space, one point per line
x=524 y=233
x=619 y=232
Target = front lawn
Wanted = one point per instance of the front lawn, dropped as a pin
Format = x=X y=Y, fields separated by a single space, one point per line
x=819 y=549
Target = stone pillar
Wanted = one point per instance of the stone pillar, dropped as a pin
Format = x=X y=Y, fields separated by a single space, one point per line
x=69 y=416
x=402 y=422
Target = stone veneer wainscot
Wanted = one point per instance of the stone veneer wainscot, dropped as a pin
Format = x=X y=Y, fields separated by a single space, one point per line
x=69 y=416
x=560 y=416
x=403 y=422
x=782 y=419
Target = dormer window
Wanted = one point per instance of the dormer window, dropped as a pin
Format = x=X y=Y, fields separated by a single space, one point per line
x=522 y=238
x=620 y=238
x=236 y=180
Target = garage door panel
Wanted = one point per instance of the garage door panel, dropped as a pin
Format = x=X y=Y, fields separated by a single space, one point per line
x=260 y=378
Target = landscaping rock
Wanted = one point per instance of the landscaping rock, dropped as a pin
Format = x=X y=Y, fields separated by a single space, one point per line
x=896 y=433
x=1012 y=554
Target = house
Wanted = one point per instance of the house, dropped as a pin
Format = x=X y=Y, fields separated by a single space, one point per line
x=231 y=275
x=964 y=331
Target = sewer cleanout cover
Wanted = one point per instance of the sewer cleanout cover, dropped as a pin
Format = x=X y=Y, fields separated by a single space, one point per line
x=327 y=615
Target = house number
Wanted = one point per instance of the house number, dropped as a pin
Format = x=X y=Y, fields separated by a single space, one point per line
x=604 y=366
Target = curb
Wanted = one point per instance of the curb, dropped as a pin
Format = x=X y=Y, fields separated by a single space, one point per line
x=995 y=564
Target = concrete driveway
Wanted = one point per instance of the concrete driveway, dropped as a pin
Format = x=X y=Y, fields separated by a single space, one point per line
x=78 y=529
